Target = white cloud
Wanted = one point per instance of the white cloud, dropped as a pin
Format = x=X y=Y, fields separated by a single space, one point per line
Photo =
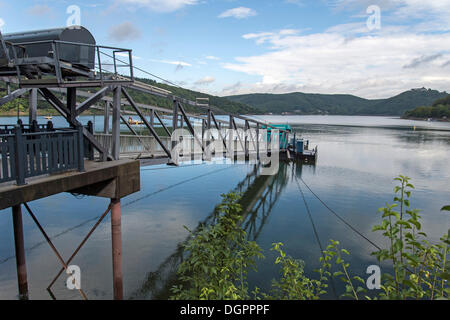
x=124 y=32
x=411 y=50
x=126 y=55
x=176 y=63
x=205 y=81
x=159 y=5
x=212 y=58
x=2 y=23
x=238 y=13
x=370 y=65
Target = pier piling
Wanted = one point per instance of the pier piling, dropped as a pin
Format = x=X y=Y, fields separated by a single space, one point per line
x=116 y=233
x=20 y=252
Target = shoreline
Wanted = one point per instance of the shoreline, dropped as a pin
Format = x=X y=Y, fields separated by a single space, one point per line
x=425 y=119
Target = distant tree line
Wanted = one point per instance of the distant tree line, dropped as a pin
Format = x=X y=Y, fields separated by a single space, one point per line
x=439 y=110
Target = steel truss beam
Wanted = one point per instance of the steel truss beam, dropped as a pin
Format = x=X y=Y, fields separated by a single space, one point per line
x=134 y=133
x=13 y=95
x=92 y=100
x=149 y=127
x=65 y=112
x=219 y=130
x=189 y=125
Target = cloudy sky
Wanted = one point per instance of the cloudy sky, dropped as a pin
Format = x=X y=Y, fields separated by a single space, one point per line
x=370 y=48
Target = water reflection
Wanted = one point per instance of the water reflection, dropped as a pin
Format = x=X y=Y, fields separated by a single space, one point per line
x=259 y=194
x=353 y=175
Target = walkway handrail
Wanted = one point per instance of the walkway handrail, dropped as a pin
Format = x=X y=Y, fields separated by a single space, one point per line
x=25 y=155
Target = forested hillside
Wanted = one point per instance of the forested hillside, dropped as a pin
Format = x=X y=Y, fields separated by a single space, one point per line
x=305 y=103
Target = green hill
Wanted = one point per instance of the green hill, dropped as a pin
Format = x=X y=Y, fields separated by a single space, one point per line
x=405 y=101
x=224 y=104
x=305 y=103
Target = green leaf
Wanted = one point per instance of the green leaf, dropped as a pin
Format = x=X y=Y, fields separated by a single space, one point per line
x=416 y=223
x=446 y=208
x=404 y=223
x=338 y=273
x=359 y=279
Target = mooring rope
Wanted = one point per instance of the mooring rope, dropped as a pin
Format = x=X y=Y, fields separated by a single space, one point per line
x=338 y=216
x=316 y=234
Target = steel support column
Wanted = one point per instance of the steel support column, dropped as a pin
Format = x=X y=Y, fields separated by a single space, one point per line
x=20 y=252
x=32 y=106
x=116 y=123
x=116 y=234
x=72 y=103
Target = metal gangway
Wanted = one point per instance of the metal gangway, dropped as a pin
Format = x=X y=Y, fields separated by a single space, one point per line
x=73 y=74
x=66 y=69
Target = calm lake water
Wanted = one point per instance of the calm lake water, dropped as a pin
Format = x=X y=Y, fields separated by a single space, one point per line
x=358 y=159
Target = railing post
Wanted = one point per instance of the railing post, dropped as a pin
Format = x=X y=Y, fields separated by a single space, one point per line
x=50 y=126
x=295 y=142
x=208 y=137
x=106 y=119
x=175 y=122
x=257 y=142
x=152 y=117
x=231 y=147
x=19 y=156
x=247 y=143
x=80 y=142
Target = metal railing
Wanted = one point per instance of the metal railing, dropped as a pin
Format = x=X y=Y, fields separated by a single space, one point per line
x=100 y=63
x=26 y=128
x=25 y=155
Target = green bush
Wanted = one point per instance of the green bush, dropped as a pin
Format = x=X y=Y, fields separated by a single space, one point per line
x=220 y=256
